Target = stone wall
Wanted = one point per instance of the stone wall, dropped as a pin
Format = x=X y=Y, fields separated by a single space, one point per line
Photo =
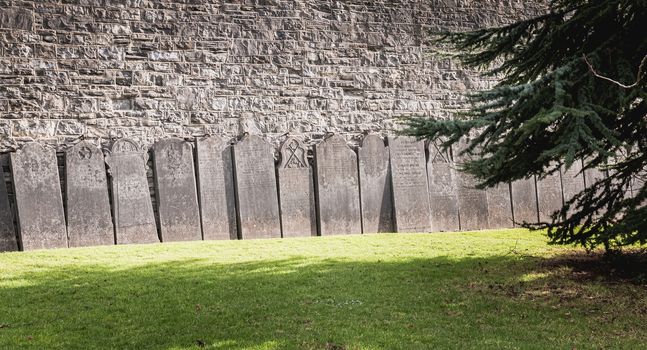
x=150 y=69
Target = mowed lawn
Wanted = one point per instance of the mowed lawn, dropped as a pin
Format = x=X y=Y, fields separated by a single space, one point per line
x=488 y=289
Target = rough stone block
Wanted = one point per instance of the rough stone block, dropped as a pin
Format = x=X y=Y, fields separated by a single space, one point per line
x=177 y=197
x=89 y=221
x=216 y=188
x=8 y=241
x=256 y=190
x=296 y=190
x=38 y=198
x=133 y=209
x=524 y=201
x=443 y=194
x=337 y=188
x=375 y=182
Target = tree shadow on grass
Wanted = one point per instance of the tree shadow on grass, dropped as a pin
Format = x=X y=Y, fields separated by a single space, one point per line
x=301 y=303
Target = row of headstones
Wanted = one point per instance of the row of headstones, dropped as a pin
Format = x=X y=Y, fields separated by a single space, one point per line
x=237 y=192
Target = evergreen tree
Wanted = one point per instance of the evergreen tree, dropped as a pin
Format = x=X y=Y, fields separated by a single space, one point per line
x=572 y=86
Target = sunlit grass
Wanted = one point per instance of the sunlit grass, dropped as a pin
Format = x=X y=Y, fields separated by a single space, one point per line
x=489 y=289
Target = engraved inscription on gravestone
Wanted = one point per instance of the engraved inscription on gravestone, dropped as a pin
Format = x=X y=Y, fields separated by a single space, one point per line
x=256 y=192
x=133 y=209
x=179 y=214
x=472 y=202
x=216 y=188
x=38 y=198
x=89 y=221
x=499 y=209
x=524 y=201
x=375 y=182
x=8 y=241
x=337 y=187
x=549 y=196
x=410 y=188
x=443 y=199
x=296 y=191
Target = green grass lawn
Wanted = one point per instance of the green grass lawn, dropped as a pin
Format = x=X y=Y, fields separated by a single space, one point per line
x=489 y=289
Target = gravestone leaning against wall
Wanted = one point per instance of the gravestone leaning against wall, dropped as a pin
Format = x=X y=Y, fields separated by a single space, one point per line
x=443 y=199
x=177 y=197
x=38 y=198
x=216 y=188
x=256 y=192
x=410 y=188
x=296 y=190
x=8 y=241
x=472 y=202
x=133 y=210
x=572 y=182
x=375 y=185
x=524 y=201
x=89 y=221
x=337 y=187
x=549 y=195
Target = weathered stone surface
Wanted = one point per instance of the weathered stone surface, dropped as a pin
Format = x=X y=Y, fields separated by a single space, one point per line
x=38 y=198
x=549 y=196
x=443 y=196
x=524 y=201
x=177 y=197
x=337 y=188
x=591 y=176
x=499 y=208
x=132 y=206
x=472 y=202
x=256 y=192
x=410 y=188
x=8 y=241
x=89 y=221
x=296 y=191
x=216 y=188
x=375 y=182
x=572 y=181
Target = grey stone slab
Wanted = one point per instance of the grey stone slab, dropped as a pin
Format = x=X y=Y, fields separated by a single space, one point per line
x=549 y=196
x=256 y=190
x=572 y=181
x=89 y=221
x=8 y=241
x=38 y=198
x=179 y=213
x=472 y=202
x=337 y=188
x=296 y=191
x=592 y=176
x=524 y=201
x=216 y=188
x=443 y=194
x=499 y=207
x=133 y=210
x=375 y=182
x=410 y=188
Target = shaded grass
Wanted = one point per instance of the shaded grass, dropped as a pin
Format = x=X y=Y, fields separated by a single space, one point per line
x=489 y=289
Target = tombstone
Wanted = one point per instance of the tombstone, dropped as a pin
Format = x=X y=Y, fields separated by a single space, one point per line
x=133 y=210
x=443 y=198
x=337 y=188
x=549 y=196
x=296 y=191
x=89 y=222
x=572 y=181
x=410 y=188
x=591 y=176
x=472 y=202
x=177 y=198
x=375 y=185
x=256 y=193
x=524 y=201
x=216 y=188
x=499 y=209
x=8 y=241
x=38 y=198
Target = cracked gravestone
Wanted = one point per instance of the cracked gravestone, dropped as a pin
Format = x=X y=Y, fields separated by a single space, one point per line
x=216 y=188
x=38 y=198
x=375 y=182
x=89 y=222
x=133 y=210
x=177 y=197
x=256 y=191
x=337 y=188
